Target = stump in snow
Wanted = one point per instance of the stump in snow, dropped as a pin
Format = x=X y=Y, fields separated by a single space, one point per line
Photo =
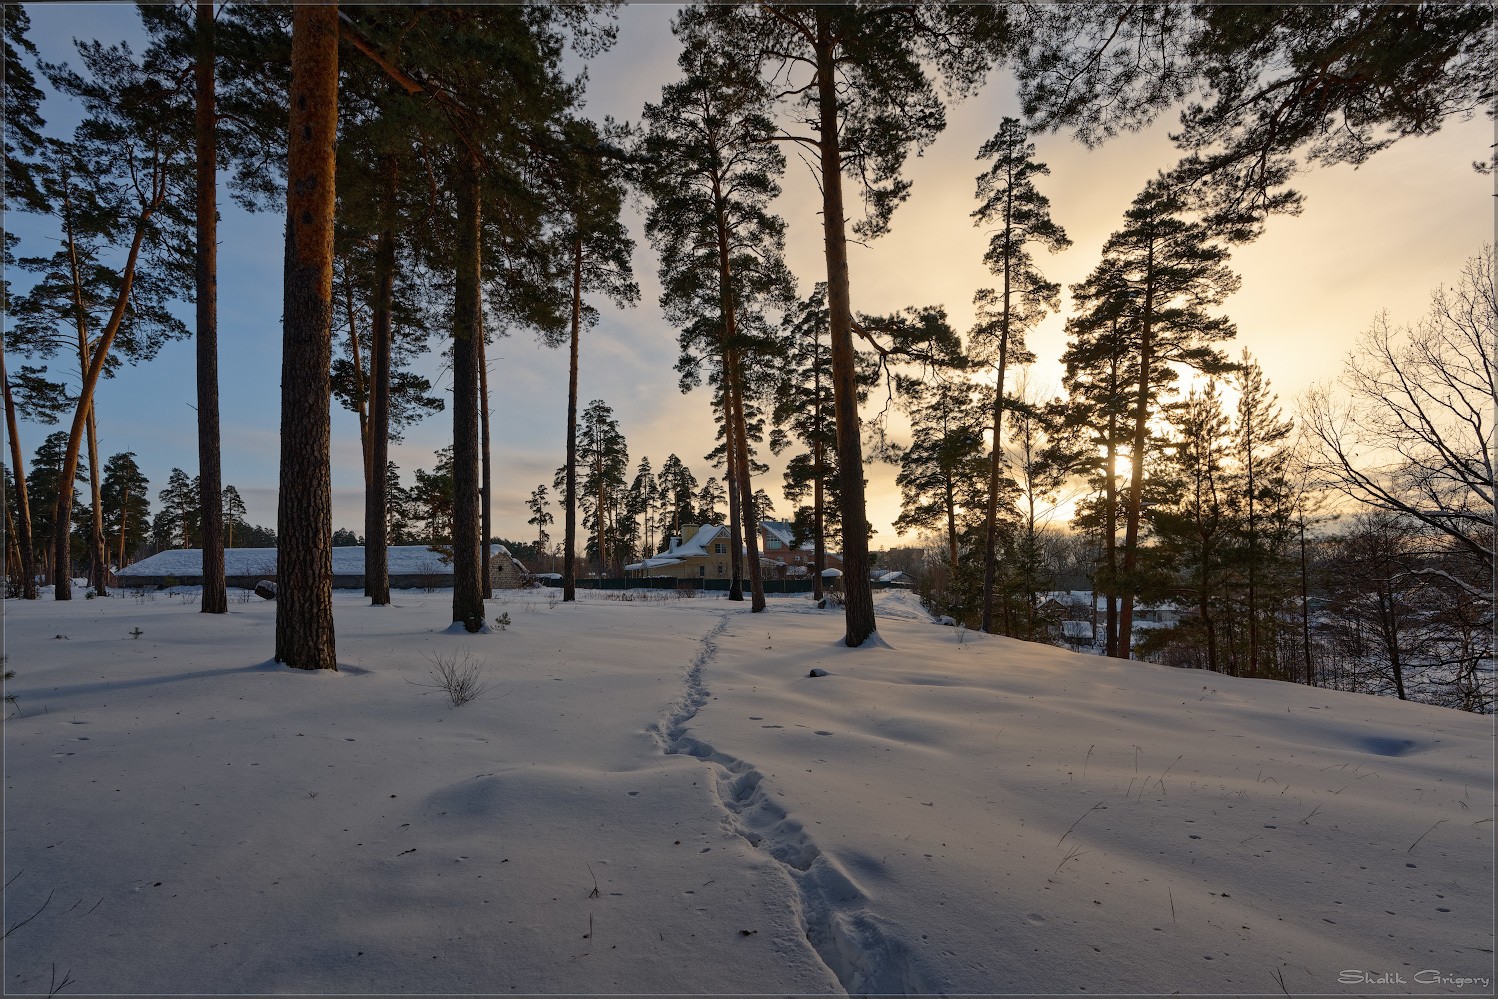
x=265 y=589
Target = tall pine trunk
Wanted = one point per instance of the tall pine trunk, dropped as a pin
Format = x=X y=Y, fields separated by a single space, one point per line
x=735 y=510
x=748 y=518
x=818 y=470
x=1136 y=481
x=486 y=525
x=361 y=385
x=98 y=557
x=996 y=455
x=62 y=577
x=1253 y=546
x=569 y=543
x=1110 y=516
x=377 y=493
x=735 y=426
x=210 y=475
x=23 y=504
x=304 y=521
x=468 y=591
x=1305 y=607
x=858 y=593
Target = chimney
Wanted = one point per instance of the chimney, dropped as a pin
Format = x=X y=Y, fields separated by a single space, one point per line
x=672 y=543
x=689 y=531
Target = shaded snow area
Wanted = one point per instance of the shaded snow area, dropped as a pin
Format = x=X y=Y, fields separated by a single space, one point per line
x=657 y=795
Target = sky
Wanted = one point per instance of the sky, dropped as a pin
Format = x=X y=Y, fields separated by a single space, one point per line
x=1377 y=238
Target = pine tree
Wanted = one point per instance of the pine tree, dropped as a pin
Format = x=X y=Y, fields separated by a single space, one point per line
x=432 y=499
x=1169 y=269
x=1097 y=359
x=1019 y=217
x=860 y=101
x=127 y=506
x=600 y=264
x=304 y=563
x=539 y=507
x=1263 y=89
x=235 y=514
x=804 y=413
x=603 y=460
x=1192 y=519
x=28 y=393
x=708 y=499
x=1267 y=496
x=945 y=455
x=47 y=465
x=677 y=487
x=645 y=503
x=712 y=177
x=179 y=501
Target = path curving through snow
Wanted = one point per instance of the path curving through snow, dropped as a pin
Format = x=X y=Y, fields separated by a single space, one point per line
x=869 y=954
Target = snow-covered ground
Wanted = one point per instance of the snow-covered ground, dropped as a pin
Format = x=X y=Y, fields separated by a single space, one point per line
x=656 y=796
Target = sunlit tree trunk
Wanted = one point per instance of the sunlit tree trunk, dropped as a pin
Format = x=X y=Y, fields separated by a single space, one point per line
x=858 y=593
x=304 y=558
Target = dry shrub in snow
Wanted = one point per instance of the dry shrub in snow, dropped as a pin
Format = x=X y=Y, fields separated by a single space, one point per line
x=460 y=676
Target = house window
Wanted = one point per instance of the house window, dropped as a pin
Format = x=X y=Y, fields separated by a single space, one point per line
x=720 y=568
x=702 y=570
x=772 y=543
x=719 y=548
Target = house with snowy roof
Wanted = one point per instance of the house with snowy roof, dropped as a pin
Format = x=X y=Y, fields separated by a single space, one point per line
x=409 y=566
x=778 y=544
x=703 y=551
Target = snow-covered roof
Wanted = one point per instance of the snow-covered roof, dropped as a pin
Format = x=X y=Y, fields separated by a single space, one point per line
x=781 y=531
x=402 y=560
x=654 y=562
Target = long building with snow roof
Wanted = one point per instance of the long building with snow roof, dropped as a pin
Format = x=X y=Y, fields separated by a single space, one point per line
x=410 y=567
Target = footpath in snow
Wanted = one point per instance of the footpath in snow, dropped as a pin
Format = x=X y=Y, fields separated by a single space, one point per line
x=655 y=795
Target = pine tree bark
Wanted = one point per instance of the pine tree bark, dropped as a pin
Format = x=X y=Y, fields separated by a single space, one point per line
x=361 y=384
x=486 y=525
x=23 y=504
x=569 y=549
x=1253 y=546
x=210 y=474
x=1136 y=482
x=61 y=567
x=996 y=455
x=304 y=523
x=98 y=558
x=468 y=592
x=747 y=515
x=377 y=494
x=1110 y=495
x=1305 y=608
x=735 y=513
x=734 y=431
x=858 y=593
x=818 y=470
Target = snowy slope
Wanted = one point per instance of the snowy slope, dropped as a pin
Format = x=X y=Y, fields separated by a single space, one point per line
x=955 y=813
